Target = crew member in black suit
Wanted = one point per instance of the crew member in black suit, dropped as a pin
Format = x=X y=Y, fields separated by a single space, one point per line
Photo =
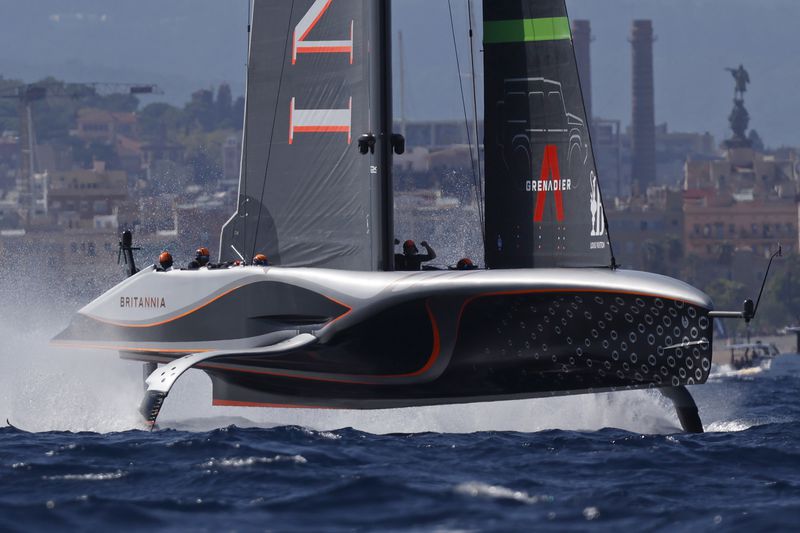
x=411 y=259
x=201 y=258
x=164 y=262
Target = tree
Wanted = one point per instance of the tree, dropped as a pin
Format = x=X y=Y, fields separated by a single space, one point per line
x=160 y=122
x=727 y=294
x=238 y=113
x=200 y=112
x=9 y=116
x=204 y=154
x=224 y=106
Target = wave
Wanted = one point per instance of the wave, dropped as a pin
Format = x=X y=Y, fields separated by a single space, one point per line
x=478 y=489
x=239 y=462
x=103 y=476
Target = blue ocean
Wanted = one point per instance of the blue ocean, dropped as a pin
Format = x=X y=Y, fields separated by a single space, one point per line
x=76 y=457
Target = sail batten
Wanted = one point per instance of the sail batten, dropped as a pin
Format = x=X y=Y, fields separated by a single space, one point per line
x=543 y=202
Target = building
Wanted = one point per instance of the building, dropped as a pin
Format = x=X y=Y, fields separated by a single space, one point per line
x=155 y=152
x=99 y=125
x=77 y=197
x=232 y=159
x=647 y=231
x=673 y=149
x=441 y=133
x=9 y=161
x=742 y=204
x=607 y=140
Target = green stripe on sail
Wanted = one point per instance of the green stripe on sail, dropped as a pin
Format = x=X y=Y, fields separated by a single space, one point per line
x=526 y=30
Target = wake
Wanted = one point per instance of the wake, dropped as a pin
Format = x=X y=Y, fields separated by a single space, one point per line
x=46 y=388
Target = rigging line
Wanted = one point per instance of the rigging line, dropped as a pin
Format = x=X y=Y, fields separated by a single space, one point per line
x=591 y=149
x=466 y=121
x=244 y=127
x=475 y=116
x=272 y=132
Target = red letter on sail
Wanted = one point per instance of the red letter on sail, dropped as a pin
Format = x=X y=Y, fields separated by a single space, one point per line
x=301 y=46
x=320 y=121
x=550 y=172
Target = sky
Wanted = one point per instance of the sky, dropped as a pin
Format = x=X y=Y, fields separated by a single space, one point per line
x=184 y=45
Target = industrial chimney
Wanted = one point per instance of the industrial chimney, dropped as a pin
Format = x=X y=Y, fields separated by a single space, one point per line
x=644 y=123
x=582 y=40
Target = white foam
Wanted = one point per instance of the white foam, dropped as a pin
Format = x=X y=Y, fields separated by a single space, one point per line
x=729 y=426
x=591 y=513
x=477 y=489
x=119 y=474
x=238 y=462
x=636 y=411
x=728 y=371
x=48 y=388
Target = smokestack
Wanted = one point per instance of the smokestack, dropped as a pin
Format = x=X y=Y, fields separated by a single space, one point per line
x=644 y=117
x=582 y=40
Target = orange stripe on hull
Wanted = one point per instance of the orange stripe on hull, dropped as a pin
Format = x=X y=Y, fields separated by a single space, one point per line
x=233 y=403
x=359 y=380
x=167 y=321
x=194 y=310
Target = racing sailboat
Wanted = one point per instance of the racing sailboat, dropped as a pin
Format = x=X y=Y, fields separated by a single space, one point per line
x=332 y=325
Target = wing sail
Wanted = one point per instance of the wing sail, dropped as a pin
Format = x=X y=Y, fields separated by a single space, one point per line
x=543 y=203
x=307 y=196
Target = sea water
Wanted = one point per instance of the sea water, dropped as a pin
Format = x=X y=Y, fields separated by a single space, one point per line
x=81 y=458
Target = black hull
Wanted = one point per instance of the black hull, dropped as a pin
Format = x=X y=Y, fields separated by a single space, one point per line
x=483 y=348
x=370 y=340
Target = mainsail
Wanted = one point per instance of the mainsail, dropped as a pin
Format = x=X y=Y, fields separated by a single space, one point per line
x=543 y=202
x=307 y=197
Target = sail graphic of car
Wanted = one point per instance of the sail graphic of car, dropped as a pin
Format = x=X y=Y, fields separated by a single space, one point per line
x=533 y=113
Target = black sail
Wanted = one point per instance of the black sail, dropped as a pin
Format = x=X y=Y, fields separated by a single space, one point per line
x=543 y=202
x=307 y=197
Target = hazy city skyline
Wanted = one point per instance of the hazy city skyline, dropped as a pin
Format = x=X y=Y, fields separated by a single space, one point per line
x=186 y=45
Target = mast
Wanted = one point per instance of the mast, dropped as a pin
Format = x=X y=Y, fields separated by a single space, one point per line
x=382 y=73
x=402 y=81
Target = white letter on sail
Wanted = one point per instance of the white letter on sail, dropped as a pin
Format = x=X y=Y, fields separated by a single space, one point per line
x=320 y=121
x=307 y=23
x=596 y=206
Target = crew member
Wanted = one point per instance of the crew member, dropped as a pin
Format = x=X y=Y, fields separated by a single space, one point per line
x=466 y=264
x=411 y=259
x=260 y=260
x=201 y=258
x=165 y=262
